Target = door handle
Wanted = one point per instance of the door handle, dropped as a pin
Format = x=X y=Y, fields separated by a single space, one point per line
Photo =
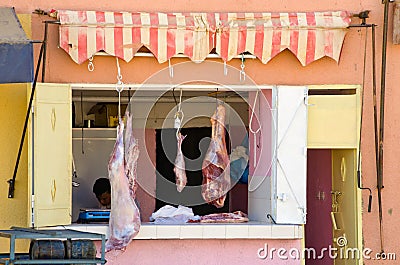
x=335 y=204
x=337 y=222
x=335 y=195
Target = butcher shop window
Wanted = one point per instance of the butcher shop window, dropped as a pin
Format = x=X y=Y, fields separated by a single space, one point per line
x=265 y=136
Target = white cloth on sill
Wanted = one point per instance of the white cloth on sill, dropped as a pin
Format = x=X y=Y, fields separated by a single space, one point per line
x=239 y=152
x=171 y=215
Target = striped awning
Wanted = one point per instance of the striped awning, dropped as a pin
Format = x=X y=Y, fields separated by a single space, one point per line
x=309 y=36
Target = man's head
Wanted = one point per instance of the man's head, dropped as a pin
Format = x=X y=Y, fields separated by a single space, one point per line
x=102 y=190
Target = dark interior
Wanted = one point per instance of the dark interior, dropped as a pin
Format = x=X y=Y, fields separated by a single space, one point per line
x=194 y=148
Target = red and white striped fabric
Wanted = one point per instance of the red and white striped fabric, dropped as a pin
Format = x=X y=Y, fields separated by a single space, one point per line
x=121 y=34
x=309 y=36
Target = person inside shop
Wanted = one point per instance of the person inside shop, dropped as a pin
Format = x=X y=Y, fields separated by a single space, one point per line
x=102 y=190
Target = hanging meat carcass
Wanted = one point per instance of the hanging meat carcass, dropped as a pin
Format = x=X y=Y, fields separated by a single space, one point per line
x=215 y=169
x=179 y=169
x=124 y=221
x=131 y=155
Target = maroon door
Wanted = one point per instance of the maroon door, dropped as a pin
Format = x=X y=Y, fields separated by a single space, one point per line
x=318 y=229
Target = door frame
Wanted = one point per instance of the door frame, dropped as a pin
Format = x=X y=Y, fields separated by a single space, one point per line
x=343 y=102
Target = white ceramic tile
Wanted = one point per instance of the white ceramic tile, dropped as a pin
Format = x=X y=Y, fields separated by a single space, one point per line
x=283 y=231
x=214 y=231
x=237 y=231
x=168 y=231
x=197 y=231
x=191 y=231
x=300 y=231
x=260 y=231
x=295 y=231
x=147 y=232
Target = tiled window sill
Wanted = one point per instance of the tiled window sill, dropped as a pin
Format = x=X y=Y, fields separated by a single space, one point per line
x=250 y=230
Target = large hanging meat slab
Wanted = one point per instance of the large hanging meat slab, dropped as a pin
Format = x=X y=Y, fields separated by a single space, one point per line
x=215 y=169
x=124 y=216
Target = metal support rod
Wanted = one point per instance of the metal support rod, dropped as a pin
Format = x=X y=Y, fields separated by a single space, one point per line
x=103 y=249
x=270 y=217
x=382 y=95
x=12 y=247
x=56 y=22
x=361 y=26
x=11 y=182
x=44 y=49
x=45 y=37
x=382 y=119
x=361 y=125
x=376 y=132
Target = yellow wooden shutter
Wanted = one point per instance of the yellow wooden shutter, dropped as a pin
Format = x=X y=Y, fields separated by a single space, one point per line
x=333 y=121
x=51 y=155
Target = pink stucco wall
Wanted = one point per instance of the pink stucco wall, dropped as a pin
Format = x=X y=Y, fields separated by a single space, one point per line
x=212 y=252
x=283 y=69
